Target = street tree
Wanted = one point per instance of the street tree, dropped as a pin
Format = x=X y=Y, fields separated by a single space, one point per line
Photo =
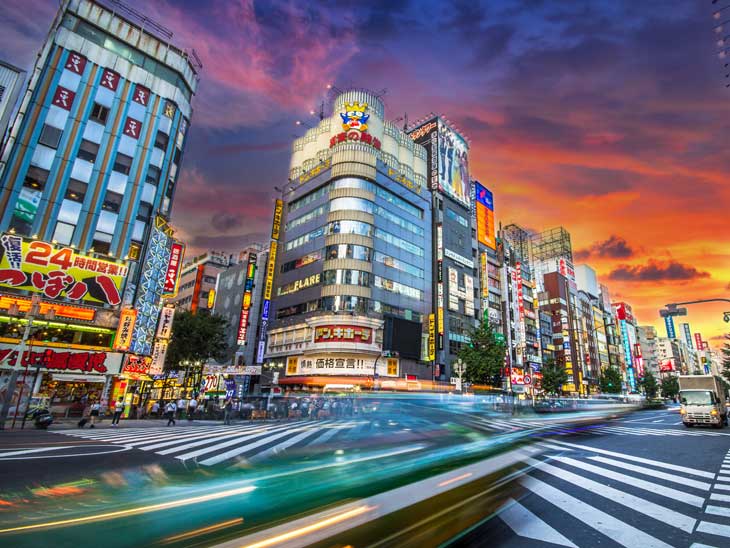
x=649 y=383
x=196 y=338
x=670 y=387
x=483 y=355
x=553 y=376
x=610 y=380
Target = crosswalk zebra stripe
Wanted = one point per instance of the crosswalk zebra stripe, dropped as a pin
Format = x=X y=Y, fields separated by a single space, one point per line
x=657 y=463
x=241 y=449
x=713 y=528
x=236 y=439
x=149 y=445
x=325 y=436
x=721 y=487
x=528 y=525
x=615 y=529
x=698 y=545
x=181 y=436
x=551 y=446
x=648 y=508
x=718 y=511
x=682 y=480
x=721 y=498
x=668 y=492
x=124 y=435
x=285 y=444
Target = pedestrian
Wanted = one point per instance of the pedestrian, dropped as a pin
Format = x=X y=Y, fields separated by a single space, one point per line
x=192 y=406
x=180 y=406
x=227 y=410
x=155 y=409
x=118 y=410
x=170 y=410
x=94 y=413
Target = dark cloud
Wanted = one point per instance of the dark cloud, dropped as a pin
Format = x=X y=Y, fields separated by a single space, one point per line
x=226 y=221
x=655 y=271
x=615 y=247
x=230 y=243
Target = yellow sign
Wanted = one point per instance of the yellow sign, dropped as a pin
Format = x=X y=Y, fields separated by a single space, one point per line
x=298 y=285
x=441 y=320
x=211 y=298
x=127 y=319
x=270 y=269
x=312 y=173
x=392 y=367
x=405 y=181
x=431 y=337
x=59 y=272
x=276 y=227
x=291 y=365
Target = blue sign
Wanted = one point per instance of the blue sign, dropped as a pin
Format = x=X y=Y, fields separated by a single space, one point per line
x=230 y=388
x=687 y=334
x=669 y=324
x=265 y=312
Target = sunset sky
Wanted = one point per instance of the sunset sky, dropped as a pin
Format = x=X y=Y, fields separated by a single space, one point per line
x=606 y=117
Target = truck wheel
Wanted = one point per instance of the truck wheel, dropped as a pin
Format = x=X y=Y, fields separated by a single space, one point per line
x=718 y=425
x=688 y=425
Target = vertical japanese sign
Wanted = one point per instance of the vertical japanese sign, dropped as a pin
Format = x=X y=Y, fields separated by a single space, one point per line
x=485 y=216
x=669 y=324
x=427 y=134
x=440 y=284
x=269 y=280
x=174 y=266
x=164 y=326
x=196 y=288
x=123 y=339
x=432 y=337
x=159 y=353
x=698 y=342
x=246 y=303
x=687 y=334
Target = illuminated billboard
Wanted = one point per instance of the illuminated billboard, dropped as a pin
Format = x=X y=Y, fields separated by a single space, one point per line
x=59 y=272
x=246 y=304
x=174 y=267
x=427 y=135
x=485 y=216
x=453 y=153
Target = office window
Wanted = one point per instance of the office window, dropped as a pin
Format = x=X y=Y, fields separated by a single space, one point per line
x=99 y=113
x=161 y=140
x=123 y=163
x=100 y=246
x=69 y=212
x=63 y=233
x=148 y=193
x=138 y=231
x=88 y=151
x=50 y=136
x=76 y=191
x=153 y=175
x=112 y=202
x=144 y=212
x=36 y=178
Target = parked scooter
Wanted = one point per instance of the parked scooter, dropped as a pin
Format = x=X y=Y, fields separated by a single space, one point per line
x=42 y=418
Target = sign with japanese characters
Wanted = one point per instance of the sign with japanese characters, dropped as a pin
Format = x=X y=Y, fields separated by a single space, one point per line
x=141 y=95
x=59 y=272
x=136 y=365
x=172 y=277
x=246 y=302
x=164 y=326
x=63 y=98
x=110 y=79
x=75 y=62
x=87 y=362
x=341 y=364
x=126 y=327
x=132 y=127
x=159 y=352
x=343 y=333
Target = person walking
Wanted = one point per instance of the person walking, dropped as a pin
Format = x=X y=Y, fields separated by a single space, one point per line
x=155 y=409
x=227 y=411
x=170 y=410
x=94 y=413
x=192 y=407
x=180 y=406
x=118 y=410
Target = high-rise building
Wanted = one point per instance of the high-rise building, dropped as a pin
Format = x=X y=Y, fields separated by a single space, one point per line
x=197 y=287
x=11 y=83
x=455 y=279
x=647 y=336
x=352 y=289
x=552 y=251
x=87 y=180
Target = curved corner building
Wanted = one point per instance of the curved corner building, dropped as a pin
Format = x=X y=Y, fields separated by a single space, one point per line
x=352 y=287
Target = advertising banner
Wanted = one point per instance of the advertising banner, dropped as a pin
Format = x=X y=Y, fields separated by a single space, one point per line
x=246 y=304
x=698 y=341
x=59 y=272
x=159 y=352
x=87 y=362
x=453 y=164
x=276 y=225
x=343 y=333
x=669 y=324
x=341 y=364
x=432 y=337
x=687 y=334
x=174 y=267
x=210 y=369
x=485 y=216
x=427 y=135
x=123 y=339
x=136 y=365
x=164 y=326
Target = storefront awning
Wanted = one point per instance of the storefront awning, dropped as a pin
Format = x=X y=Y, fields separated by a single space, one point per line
x=78 y=378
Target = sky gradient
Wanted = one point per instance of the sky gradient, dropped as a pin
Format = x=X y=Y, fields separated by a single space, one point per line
x=608 y=117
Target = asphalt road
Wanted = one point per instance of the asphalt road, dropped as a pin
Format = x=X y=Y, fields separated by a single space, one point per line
x=644 y=480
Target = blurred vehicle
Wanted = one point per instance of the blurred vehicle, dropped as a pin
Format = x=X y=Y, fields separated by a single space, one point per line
x=41 y=416
x=703 y=400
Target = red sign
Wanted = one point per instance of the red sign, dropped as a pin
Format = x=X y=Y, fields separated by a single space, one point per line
x=132 y=127
x=343 y=333
x=624 y=312
x=139 y=365
x=63 y=98
x=363 y=137
x=173 y=268
x=666 y=365
x=243 y=326
x=110 y=79
x=698 y=341
x=76 y=62
x=141 y=95
x=87 y=362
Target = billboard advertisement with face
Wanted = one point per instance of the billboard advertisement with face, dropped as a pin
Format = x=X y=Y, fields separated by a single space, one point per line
x=453 y=164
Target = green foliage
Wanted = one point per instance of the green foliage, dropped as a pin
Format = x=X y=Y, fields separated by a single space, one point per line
x=196 y=338
x=483 y=356
x=610 y=380
x=553 y=377
x=649 y=384
x=670 y=387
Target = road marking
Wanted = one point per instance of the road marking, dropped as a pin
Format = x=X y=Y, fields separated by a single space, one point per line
x=212 y=448
x=721 y=498
x=660 y=420
x=714 y=528
x=682 y=480
x=284 y=445
x=668 y=492
x=721 y=487
x=657 y=463
x=41 y=450
x=659 y=513
x=551 y=446
x=698 y=545
x=613 y=528
x=718 y=511
x=325 y=436
x=240 y=450
x=528 y=525
x=220 y=433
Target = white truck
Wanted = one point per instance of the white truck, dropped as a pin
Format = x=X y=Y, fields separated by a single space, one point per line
x=703 y=400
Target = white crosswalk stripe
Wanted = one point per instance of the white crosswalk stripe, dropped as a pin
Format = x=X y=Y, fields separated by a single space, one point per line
x=592 y=486
x=218 y=444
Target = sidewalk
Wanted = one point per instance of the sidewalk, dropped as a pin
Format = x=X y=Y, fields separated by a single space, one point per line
x=106 y=423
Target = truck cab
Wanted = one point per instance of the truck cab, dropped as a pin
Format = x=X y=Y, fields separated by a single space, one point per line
x=702 y=407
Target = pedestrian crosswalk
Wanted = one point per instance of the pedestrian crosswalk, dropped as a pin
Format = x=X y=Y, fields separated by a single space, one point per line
x=219 y=444
x=582 y=496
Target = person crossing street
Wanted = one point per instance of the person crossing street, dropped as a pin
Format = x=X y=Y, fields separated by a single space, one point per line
x=170 y=410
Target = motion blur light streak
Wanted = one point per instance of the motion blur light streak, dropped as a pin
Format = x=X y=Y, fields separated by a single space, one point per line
x=338 y=518
x=203 y=530
x=453 y=480
x=131 y=511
